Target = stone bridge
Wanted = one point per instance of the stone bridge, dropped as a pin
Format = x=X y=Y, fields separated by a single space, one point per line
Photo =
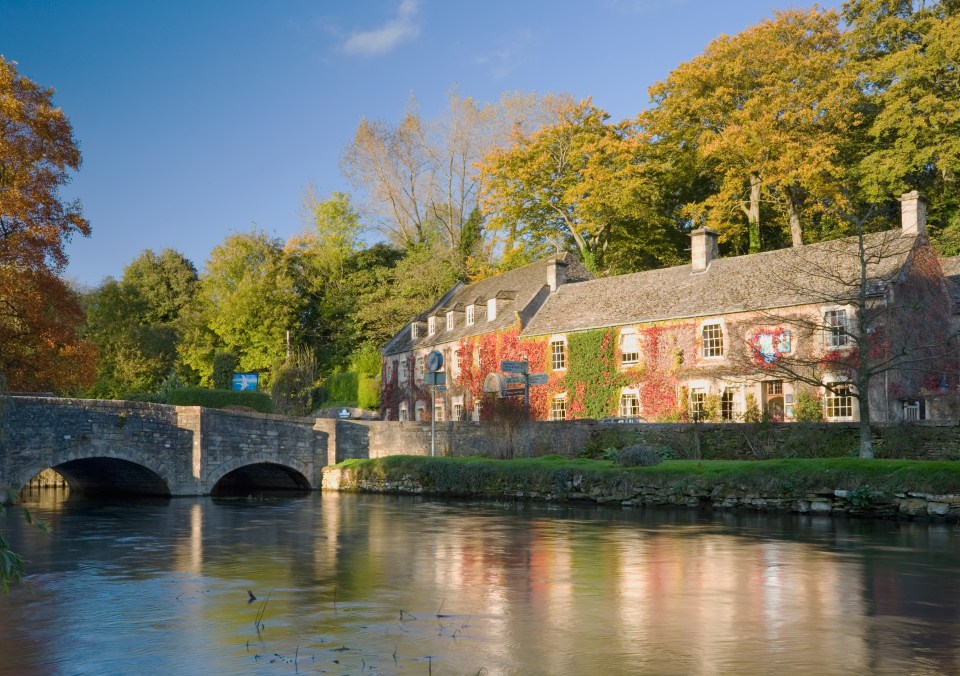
x=155 y=449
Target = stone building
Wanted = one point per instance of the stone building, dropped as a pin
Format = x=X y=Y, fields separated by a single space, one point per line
x=718 y=338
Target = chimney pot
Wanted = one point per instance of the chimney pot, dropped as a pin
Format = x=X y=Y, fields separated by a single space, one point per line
x=703 y=248
x=913 y=213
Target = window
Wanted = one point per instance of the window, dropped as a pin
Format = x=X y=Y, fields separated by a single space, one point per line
x=419 y=368
x=558 y=355
x=558 y=407
x=414 y=331
x=438 y=410
x=455 y=362
x=402 y=370
x=711 y=337
x=698 y=403
x=457 y=407
x=431 y=326
x=729 y=409
x=476 y=411
x=404 y=414
x=476 y=356
x=492 y=309
x=835 y=328
x=839 y=403
x=774 y=387
x=449 y=321
x=629 y=347
x=629 y=404
x=470 y=311
x=912 y=410
x=418 y=410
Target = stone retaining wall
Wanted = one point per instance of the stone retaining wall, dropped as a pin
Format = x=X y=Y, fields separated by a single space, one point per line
x=630 y=491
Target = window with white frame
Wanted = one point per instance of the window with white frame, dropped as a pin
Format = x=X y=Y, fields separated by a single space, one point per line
x=404 y=415
x=470 y=315
x=835 y=328
x=629 y=347
x=414 y=331
x=729 y=403
x=419 y=410
x=558 y=354
x=455 y=361
x=456 y=407
x=912 y=410
x=438 y=410
x=449 y=321
x=492 y=309
x=629 y=403
x=558 y=407
x=431 y=325
x=476 y=356
x=698 y=402
x=402 y=370
x=838 y=402
x=419 y=368
x=711 y=340
x=476 y=411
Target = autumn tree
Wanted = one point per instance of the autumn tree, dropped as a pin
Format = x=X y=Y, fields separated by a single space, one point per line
x=581 y=180
x=906 y=60
x=419 y=177
x=40 y=345
x=767 y=113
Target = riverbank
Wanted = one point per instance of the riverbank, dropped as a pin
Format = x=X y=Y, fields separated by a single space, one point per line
x=837 y=486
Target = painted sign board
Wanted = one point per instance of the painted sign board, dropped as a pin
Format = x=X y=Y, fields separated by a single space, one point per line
x=537 y=379
x=434 y=378
x=515 y=379
x=440 y=388
x=513 y=366
x=244 y=381
x=513 y=392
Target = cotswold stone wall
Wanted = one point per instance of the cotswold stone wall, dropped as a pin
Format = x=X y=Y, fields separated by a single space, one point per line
x=631 y=491
x=927 y=440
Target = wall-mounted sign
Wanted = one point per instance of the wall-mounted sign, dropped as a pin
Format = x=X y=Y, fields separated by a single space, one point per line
x=244 y=381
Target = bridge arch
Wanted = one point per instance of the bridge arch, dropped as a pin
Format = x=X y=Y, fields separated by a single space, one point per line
x=252 y=471
x=115 y=470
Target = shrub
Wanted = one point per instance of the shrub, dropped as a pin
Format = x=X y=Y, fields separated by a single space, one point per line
x=368 y=393
x=808 y=408
x=224 y=365
x=638 y=455
x=199 y=396
x=342 y=387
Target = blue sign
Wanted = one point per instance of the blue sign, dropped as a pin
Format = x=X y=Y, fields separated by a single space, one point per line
x=244 y=381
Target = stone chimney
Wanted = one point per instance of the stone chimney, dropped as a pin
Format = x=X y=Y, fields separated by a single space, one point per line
x=556 y=274
x=913 y=213
x=703 y=248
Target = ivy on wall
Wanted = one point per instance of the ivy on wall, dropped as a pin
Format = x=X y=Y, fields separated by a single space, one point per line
x=594 y=378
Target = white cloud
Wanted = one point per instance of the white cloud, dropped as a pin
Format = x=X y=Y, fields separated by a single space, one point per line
x=402 y=28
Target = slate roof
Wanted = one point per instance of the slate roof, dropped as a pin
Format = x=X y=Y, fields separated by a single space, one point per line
x=521 y=290
x=815 y=273
x=951 y=274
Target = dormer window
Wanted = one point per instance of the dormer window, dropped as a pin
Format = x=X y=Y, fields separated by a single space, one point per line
x=492 y=309
x=470 y=310
x=449 y=321
x=431 y=326
x=414 y=331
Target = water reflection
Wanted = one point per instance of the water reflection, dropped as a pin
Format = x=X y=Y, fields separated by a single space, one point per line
x=402 y=585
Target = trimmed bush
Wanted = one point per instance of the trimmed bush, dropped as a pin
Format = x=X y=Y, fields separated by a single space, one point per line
x=368 y=393
x=199 y=396
x=638 y=455
x=342 y=387
x=224 y=365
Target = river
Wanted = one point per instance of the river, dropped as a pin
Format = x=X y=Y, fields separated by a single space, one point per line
x=351 y=584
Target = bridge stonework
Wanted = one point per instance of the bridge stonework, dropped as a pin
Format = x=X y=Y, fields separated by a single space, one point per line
x=155 y=448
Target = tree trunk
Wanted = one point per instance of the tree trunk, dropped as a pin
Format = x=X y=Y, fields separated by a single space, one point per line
x=753 y=215
x=866 y=434
x=793 y=211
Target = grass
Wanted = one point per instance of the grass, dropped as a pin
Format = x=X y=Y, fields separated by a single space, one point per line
x=481 y=476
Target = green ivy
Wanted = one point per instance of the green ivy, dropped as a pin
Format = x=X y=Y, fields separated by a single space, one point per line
x=593 y=379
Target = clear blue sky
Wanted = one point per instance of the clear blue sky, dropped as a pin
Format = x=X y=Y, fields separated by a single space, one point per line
x=199 y=118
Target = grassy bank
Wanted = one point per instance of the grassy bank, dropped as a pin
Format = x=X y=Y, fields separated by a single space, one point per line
x=480 y=476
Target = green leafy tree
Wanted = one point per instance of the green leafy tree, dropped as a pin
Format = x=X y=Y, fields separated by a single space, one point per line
x=245 y=303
